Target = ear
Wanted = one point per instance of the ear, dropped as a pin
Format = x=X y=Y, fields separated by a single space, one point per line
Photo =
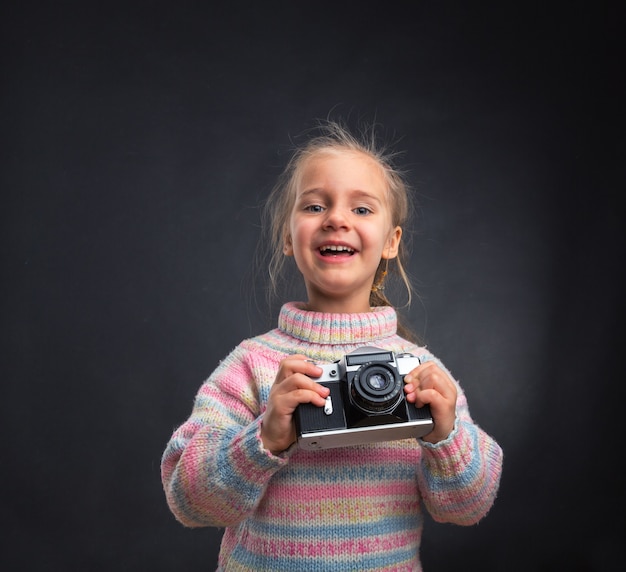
x=288 y=246
x=393 y=244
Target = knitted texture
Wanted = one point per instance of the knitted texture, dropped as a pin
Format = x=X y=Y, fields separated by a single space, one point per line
x=356 y=508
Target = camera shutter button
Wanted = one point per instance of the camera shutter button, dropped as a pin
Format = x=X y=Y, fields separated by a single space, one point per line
x=328 y=406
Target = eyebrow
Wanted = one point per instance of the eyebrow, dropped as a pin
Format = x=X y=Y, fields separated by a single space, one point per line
x=356 y=193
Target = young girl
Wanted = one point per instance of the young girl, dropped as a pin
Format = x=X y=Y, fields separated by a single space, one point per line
x=339 y=211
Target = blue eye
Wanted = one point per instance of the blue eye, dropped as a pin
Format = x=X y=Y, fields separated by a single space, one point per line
x=314 y=208
x=362 y=210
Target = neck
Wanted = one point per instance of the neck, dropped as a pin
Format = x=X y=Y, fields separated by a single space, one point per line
x=354 y=305
x=340 y=301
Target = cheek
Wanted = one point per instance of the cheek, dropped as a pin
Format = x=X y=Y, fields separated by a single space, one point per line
x=373 y=236
x=297 y=242
x=300 y=231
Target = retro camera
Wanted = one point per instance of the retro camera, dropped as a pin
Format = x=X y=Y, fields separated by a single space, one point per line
x=366 y=403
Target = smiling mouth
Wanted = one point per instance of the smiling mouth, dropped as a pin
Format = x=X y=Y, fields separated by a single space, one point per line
x=333 y=250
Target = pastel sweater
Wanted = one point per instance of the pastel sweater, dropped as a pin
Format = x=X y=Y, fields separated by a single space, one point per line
x=356 y=508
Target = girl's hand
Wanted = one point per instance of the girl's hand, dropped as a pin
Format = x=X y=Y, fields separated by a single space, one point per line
x=429 y=384
x=292 y=387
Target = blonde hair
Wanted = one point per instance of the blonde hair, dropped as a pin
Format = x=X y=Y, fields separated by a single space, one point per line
x=333 y=136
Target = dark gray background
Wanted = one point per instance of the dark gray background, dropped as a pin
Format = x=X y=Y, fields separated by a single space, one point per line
x=138 y=140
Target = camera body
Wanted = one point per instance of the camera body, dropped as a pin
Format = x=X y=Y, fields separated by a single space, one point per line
x=366 y=404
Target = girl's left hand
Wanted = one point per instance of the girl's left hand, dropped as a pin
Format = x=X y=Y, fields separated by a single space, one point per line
x=429 y=384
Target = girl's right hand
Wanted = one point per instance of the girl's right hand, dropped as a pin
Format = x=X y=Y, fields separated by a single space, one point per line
x=293 y=385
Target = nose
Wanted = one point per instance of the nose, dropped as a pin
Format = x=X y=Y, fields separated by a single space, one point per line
x=336 y=219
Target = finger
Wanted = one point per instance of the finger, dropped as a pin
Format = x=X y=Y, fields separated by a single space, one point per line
x=299 y=382
x=286 y=403
x=410 y=394
x=431 y=385
x=430 y=397
x=299 y=364
x=440 y=383
x=435 y=387
x=428 y=376
x=412 y=378
x=413 y=381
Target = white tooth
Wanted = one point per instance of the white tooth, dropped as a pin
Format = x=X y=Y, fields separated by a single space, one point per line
x=336 y=248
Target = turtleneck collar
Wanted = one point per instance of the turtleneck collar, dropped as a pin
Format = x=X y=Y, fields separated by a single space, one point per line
x=322 y=328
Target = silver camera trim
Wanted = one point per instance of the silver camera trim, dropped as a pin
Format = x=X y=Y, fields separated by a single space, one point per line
x=363 y=435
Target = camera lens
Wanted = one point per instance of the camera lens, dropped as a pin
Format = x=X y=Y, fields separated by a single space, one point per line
x=376 y=388
x=377 y=381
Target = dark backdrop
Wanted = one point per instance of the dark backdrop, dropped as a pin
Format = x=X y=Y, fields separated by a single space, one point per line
x=138 y=140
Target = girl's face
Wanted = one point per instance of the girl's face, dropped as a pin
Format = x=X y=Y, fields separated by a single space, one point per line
x=339 y=230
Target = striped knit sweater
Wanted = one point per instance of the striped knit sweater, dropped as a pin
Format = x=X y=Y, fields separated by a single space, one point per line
x=356 y=508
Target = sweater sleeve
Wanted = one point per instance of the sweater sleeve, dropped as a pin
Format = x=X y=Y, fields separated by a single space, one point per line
x=460 y=476
x=214 y=468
